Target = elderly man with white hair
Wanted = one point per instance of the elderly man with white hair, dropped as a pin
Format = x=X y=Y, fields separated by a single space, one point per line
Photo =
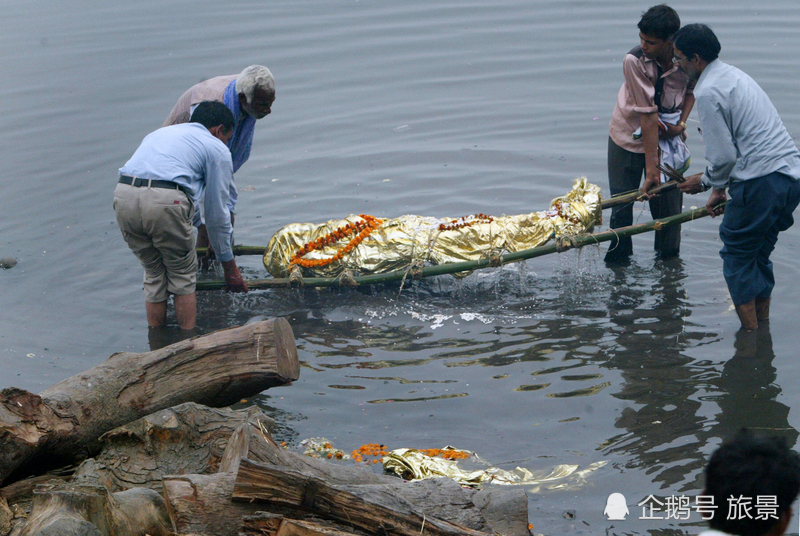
x=249 y=96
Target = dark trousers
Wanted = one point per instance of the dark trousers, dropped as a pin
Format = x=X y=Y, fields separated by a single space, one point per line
x=758 y=209
x=625 y=171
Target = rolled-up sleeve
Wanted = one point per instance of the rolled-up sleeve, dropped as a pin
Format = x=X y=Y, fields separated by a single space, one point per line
x=218 y=179
x=721 y=151
x=639 y=85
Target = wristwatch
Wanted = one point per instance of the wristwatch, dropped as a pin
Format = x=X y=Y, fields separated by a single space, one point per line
x=683 y=124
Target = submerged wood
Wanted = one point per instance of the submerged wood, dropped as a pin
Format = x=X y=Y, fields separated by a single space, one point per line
x=63 y=423
x=559 y=246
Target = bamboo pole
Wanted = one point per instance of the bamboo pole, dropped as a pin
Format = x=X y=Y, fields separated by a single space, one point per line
x=632 y=197
x=239 y=250
x=577 y=241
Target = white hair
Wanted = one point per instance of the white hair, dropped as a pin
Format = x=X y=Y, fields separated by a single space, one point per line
x=253 y=77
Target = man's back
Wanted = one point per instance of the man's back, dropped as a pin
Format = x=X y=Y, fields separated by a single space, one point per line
x=744 y=123
x=212 y=89
x=184 y=154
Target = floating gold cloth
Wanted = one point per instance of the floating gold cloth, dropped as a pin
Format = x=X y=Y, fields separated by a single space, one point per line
x=408 y=240
x=412 y=464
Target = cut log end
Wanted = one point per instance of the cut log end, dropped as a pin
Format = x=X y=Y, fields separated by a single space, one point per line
x=286 y=350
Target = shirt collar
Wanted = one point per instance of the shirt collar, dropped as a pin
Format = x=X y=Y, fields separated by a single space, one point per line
x=710 y=67
x=665 y=73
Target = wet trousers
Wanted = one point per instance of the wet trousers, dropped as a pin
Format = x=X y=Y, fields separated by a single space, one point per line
x=625 y=171
x=758 y=209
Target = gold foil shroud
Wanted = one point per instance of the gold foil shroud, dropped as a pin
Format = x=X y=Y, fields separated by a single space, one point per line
x=407 y=240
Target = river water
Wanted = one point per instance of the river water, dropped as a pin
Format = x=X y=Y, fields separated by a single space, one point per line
x=388 y=108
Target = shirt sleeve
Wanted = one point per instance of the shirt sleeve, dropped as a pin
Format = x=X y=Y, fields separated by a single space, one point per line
x=233 y=196
x=639 y=85
x=218 y=179
x=721 y=151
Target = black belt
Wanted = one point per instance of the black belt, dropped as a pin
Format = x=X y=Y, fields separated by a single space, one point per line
x=153 y=183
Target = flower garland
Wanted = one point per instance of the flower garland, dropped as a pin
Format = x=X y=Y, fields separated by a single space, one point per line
x=560 y=209
x=361 y=229
x=462 y=222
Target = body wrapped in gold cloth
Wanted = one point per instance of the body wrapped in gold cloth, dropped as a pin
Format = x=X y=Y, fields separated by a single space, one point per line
x=409 y=240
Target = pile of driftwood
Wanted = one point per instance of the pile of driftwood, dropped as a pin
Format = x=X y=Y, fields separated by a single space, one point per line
x=156 y=460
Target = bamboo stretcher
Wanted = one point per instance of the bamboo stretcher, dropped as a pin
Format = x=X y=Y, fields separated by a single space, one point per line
x=564 y=244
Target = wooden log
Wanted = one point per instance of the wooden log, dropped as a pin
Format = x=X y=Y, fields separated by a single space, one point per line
x=64 y=422
x=6 y=517
x=378 y=513
x=252 y=441
x=185 y=439
x=64 y=509
x=266 y=524
x=502 y=509
x=21 y=491
x=201 y=504
x=295 y=527
x=261 y=524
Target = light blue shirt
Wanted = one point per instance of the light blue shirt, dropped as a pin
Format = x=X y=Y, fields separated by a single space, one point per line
x=742 y=131
x=188 y=154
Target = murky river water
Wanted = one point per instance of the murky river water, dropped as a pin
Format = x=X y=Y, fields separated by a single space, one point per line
x=388 y=108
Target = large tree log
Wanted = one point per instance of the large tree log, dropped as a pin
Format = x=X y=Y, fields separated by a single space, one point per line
x=61 y=509
x=63 y=423
x=377 y=511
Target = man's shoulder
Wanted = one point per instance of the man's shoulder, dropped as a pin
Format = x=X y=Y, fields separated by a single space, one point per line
x=636 y=52
x=215 y=80
x=191 y=130
x=635 y=59
x=718 y=78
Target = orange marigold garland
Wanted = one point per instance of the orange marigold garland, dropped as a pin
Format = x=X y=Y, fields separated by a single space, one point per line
x=361 y=230
x=464 y=221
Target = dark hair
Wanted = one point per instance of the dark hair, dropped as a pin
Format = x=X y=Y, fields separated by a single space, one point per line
x=750 y=466
x=660 y=21
x=697 y=39
x=213 y=113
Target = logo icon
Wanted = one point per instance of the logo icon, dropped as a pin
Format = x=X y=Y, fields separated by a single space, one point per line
x=616 y=508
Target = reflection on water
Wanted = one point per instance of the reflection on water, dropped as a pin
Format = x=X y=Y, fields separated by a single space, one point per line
x=745 y=390
x=663 y=422
x=604 y=355
x=683 y=405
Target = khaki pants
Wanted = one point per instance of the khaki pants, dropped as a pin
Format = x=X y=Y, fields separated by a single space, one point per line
x=156 y=223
